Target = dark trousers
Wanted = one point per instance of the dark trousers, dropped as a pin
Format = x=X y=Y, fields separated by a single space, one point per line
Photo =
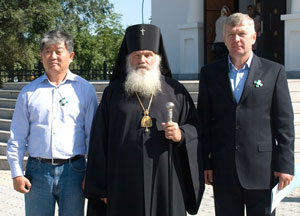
x=231 y=201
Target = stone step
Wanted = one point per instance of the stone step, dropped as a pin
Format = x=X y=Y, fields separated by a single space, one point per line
x=296 y=107
x=6 y=113
x=294 y=84
x=5 y=124
x=7 y=103
x=295 y=95
x=3 y=148
x=4 y=136
x=297 y=146
x=10 y=104
x=192 y=85
x=297 y=130
x=11 y=94
x=99 y=85
x=297 y=118
x=4 y=163
x=14 y=85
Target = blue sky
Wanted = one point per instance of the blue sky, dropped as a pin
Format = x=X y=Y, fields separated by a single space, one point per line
x=131 y=11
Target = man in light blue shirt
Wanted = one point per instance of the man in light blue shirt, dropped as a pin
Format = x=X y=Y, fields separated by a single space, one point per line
x=52 y=121
x=238 y=77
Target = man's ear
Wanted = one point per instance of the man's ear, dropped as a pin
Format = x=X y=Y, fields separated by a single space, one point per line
x=254 y=38
x=72 y=54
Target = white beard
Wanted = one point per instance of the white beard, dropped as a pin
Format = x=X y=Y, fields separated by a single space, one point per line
x=143 y=80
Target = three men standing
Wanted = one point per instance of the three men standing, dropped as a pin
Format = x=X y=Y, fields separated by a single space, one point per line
x=244 y=105
x=248 y=139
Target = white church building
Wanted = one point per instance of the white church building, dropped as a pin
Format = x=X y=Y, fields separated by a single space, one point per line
x=188 y=31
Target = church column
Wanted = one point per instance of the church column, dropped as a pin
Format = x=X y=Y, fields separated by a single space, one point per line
x=292 y=37
x=192 y=41
x=195 y=12
x=295 y=6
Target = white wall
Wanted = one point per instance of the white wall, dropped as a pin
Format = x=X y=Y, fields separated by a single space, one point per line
x=288 y=6
x=168 y=15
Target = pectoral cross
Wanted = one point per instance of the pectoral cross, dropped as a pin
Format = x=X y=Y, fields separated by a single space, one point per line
x=143 y=30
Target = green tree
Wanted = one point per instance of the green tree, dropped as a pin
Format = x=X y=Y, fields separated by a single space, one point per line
x=94 y=25
x=21 y=24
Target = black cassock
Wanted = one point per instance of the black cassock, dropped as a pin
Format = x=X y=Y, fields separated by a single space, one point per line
x=130 y=166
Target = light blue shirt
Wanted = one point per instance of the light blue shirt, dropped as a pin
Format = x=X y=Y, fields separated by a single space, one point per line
x=238 y=77
x=51 y=121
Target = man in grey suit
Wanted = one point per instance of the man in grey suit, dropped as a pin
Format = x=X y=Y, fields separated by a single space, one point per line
x=245 y=104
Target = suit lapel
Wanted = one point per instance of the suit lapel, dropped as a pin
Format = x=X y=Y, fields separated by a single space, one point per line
x=223 y=79
x=254 y=74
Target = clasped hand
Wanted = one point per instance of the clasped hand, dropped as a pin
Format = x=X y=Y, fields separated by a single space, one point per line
x=172 y=131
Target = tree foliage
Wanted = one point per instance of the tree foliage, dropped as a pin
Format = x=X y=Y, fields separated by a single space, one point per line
x=94 y=25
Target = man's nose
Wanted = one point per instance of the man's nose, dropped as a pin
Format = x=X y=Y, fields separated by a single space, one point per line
x=236 y=38
x=53 y=55
x=142 y=59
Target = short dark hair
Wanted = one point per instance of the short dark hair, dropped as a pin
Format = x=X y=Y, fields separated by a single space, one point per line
x=250 y=6
x=58 y=36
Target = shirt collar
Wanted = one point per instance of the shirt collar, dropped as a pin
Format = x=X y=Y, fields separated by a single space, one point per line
x=246 y=66
x=70 y=76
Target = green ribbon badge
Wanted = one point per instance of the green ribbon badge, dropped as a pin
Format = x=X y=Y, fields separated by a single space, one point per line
x=258 y=83
x=63 y=101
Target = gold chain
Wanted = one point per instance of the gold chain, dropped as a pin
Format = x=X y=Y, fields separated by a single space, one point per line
x=145 y=110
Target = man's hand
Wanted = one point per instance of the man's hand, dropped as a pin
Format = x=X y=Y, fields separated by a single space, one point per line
x=21 y=184
x=284 y=179
x=208 y=177
x=172 y=131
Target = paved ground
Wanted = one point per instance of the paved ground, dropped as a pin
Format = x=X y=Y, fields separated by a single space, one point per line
x=12 y=202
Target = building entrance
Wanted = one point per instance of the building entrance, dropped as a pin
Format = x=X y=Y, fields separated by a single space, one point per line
x=270 y=43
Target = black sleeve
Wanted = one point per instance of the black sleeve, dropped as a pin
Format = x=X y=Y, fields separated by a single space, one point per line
x=204 y=111
x=95 y=185
x=283 y=125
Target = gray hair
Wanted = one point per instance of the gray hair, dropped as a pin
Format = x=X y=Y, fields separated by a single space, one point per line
x=56 y=37
x=238 y=19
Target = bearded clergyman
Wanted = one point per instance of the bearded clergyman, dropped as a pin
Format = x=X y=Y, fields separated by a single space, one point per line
x=127 y=169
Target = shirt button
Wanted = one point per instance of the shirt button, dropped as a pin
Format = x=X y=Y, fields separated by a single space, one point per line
x=237 y=147
x=237 y=127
